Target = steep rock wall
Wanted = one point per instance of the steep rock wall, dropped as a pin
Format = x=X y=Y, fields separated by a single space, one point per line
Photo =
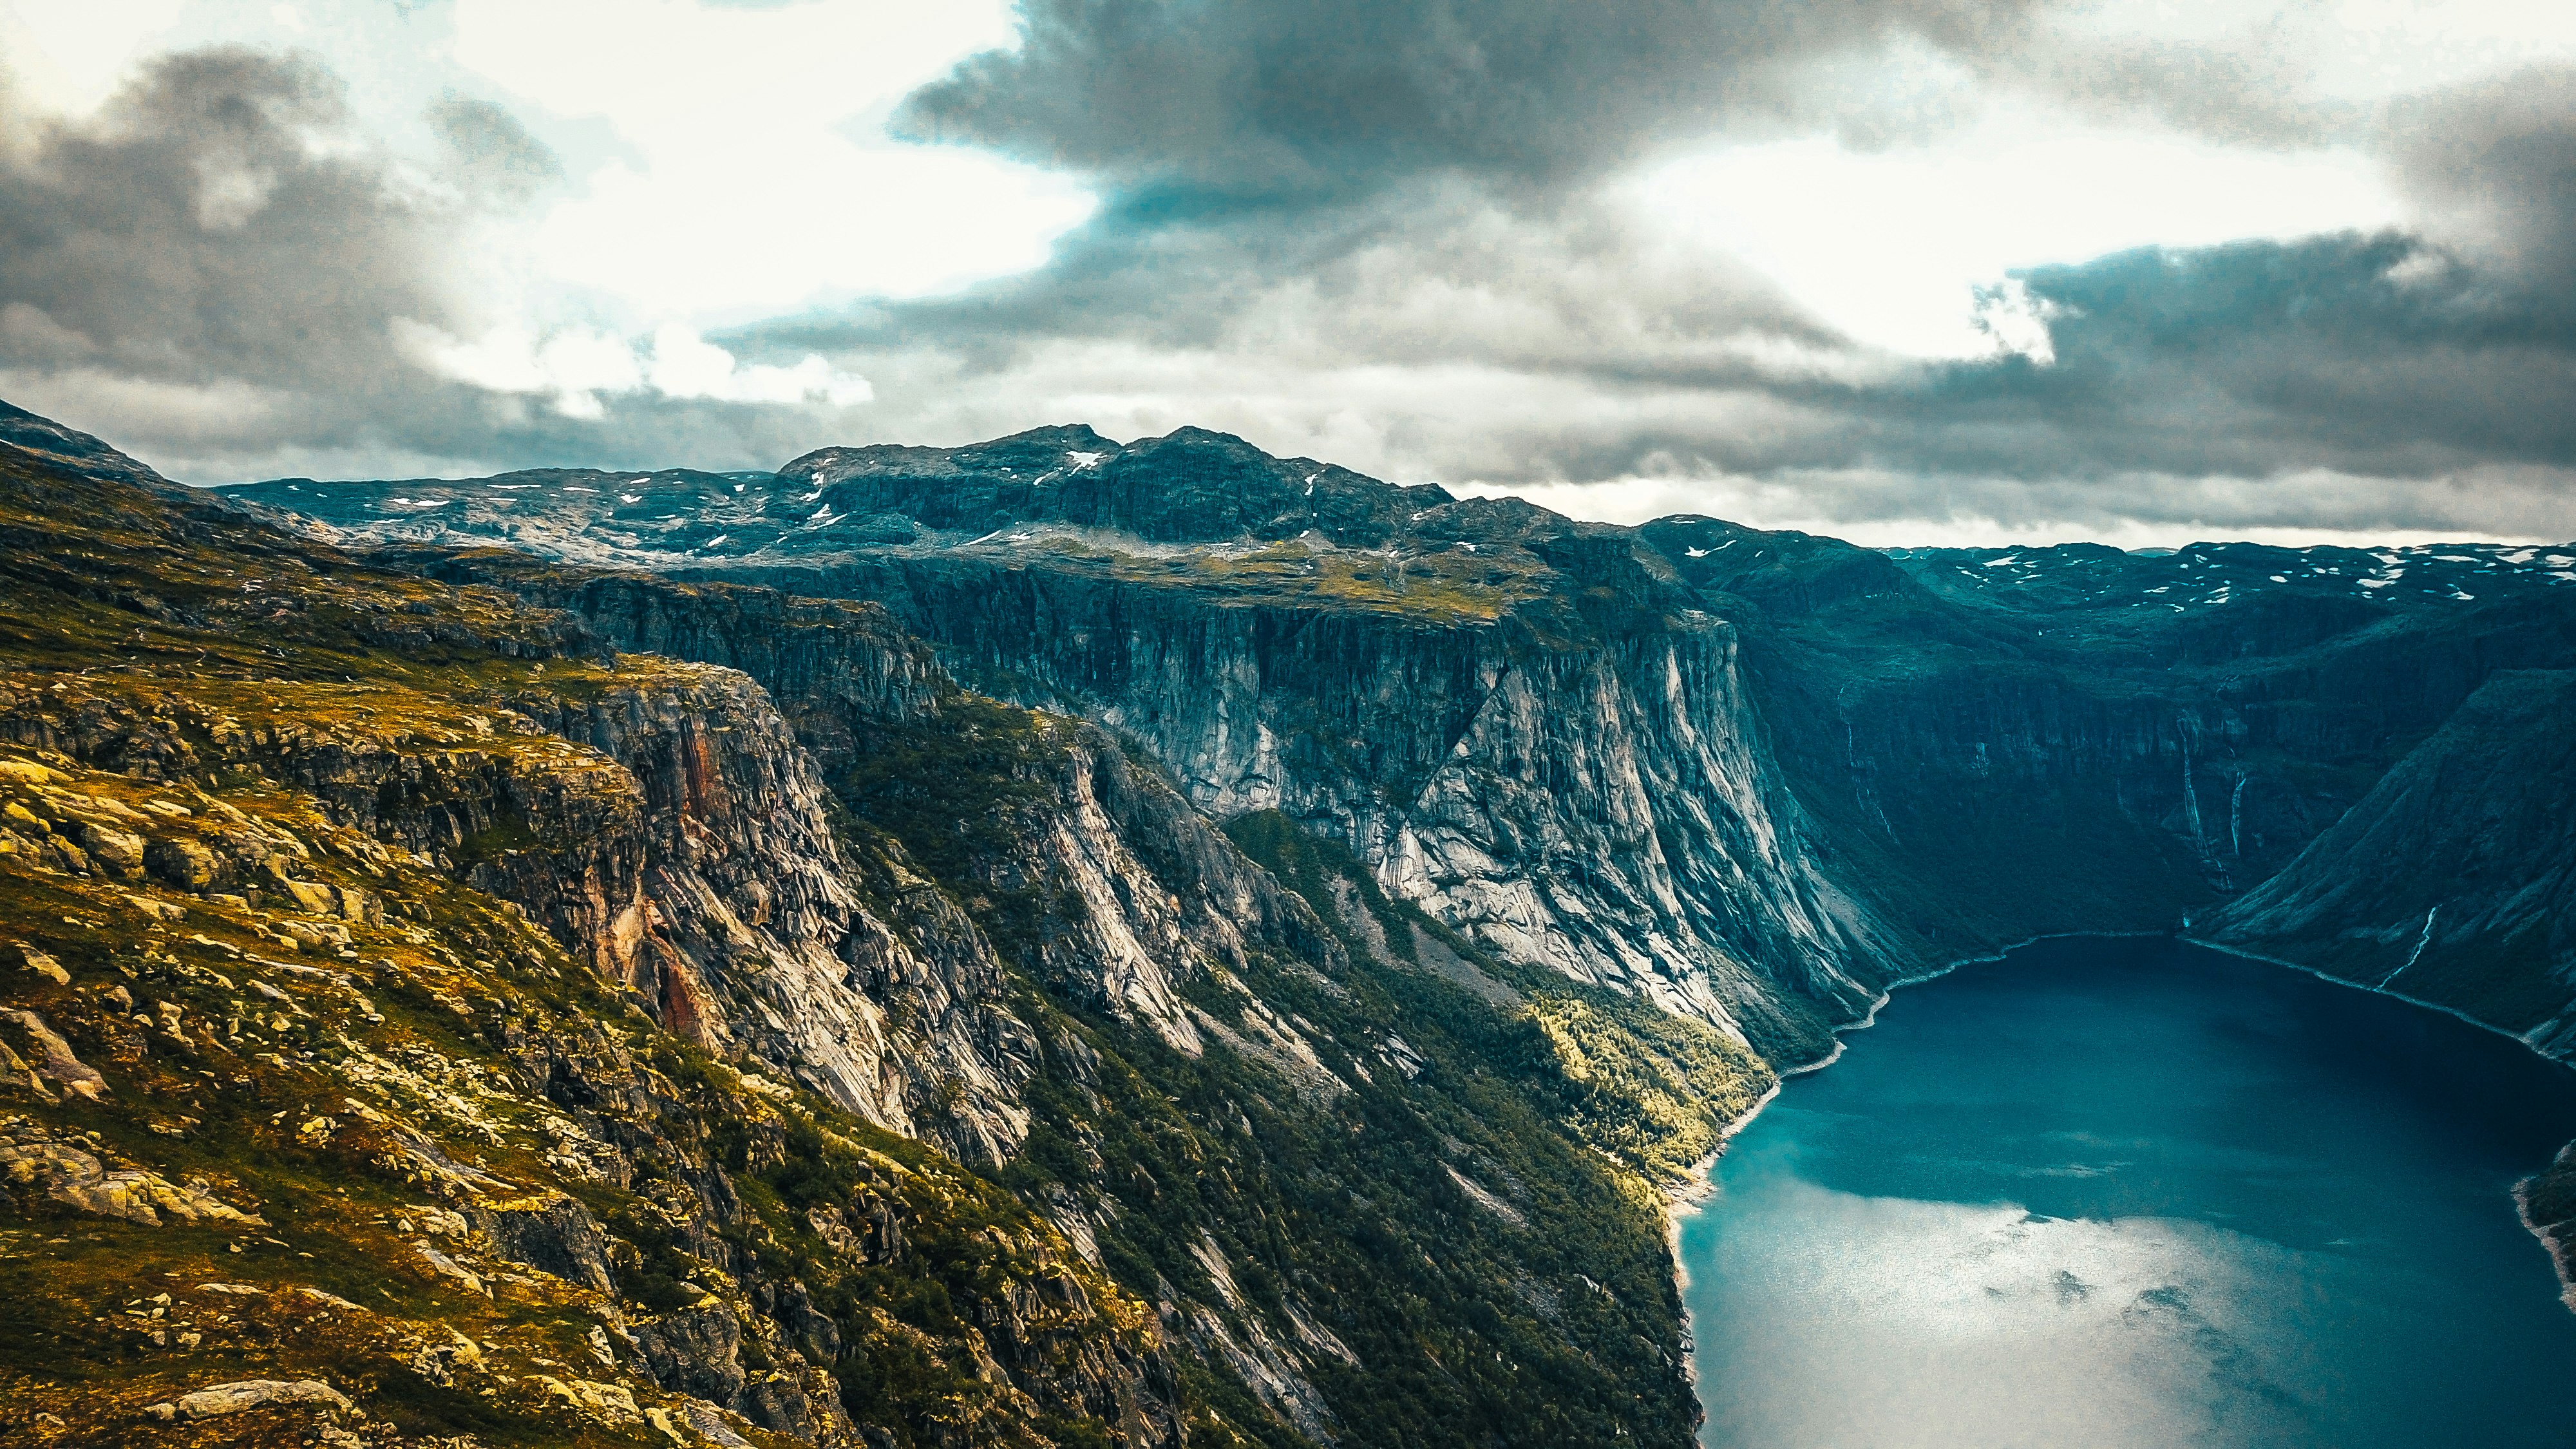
x=2454 y=880
x=670 y=832
x=1598 y=801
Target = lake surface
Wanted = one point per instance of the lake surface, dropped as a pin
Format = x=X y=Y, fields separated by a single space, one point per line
x=2131 y=1192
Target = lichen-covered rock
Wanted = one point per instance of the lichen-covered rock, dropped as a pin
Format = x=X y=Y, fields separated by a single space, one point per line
x=54 y=1058
x=694 y=1351
x=32 y=1159
x=554 y=1233
x=217 y=1400
x=181 y=863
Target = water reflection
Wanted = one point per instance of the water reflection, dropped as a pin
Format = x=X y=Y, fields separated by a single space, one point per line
x=2120 y=1193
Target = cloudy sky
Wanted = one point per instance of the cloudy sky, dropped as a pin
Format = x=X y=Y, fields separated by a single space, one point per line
x=1899 y=270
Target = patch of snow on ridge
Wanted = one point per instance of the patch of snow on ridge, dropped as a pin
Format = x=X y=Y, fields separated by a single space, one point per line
x=630 y=498
x=1080 y=461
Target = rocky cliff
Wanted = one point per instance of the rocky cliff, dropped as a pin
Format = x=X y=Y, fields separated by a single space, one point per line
x=426 y=1039
x=611 y=1049
x=1752 y=776
x=1287 y=925
x=2454 y=880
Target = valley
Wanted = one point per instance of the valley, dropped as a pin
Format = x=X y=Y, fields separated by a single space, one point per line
x=1061 y=942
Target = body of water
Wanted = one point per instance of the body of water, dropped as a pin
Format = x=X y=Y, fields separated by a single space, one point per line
x=2111 y=1192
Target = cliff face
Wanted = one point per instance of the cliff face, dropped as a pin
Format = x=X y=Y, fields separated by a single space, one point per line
x=356 y=957
x=1601 y=806
x=681 y=994
x=1240 y=1082
x=1751 y=776
x=2008 y=742
x=2454 y=879
x=663 y=823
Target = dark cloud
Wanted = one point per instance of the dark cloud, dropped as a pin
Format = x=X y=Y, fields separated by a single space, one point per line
x=205 y=225
x=2495 y=164
x=1255 y=98
x=211 y=272
x=1414 y=186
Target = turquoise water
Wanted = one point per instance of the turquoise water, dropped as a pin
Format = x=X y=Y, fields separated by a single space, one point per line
x=2110 y=1193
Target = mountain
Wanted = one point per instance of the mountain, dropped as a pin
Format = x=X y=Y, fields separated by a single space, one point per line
x=1752 y=776
x=2454 y=879
x=431 y=1014
x=1061 y=942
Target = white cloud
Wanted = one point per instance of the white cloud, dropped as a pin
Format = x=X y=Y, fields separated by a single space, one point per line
x=727 y=163
x=1890 y=246
x=686 y=365
x=760 y=177
x=576 y=367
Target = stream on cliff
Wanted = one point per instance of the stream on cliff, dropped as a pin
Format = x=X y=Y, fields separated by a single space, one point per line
x=2119 y=1192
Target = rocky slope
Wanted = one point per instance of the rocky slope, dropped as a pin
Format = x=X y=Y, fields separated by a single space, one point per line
x=2454 y=880
x=1693 y=760
x=1543 y=846
x=586 y=1045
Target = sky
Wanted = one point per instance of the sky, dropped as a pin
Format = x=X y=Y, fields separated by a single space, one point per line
x=1902 y=271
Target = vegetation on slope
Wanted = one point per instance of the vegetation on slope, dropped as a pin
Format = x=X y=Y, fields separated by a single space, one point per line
x=285 y=1104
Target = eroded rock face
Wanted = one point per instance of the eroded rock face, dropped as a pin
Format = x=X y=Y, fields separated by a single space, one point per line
x=39 y=1164
x=1596 y=800
x=553 y=1233
x=673 y=833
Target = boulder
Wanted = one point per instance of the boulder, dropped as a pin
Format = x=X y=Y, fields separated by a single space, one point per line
x=120 y=851
x=181 y=864
x=217 y=1400
x=554 y=1234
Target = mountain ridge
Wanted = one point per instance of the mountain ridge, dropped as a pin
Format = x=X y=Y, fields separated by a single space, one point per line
x=1197 y=960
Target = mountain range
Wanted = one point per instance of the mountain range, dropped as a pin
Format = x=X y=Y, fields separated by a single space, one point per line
x=1062 y=942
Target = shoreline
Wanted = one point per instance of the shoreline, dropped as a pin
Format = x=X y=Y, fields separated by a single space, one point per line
x=1690 y=1196
x=2549 y=1239
x=2550 y=1243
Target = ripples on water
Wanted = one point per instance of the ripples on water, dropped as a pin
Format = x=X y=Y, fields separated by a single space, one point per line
x=2111 y=1193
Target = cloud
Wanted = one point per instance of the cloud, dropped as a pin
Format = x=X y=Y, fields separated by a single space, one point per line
x=1404 y=227
x=224 y=271
x=1593 y=251
x=1250 y=98
x=2493 y=166
x=575 y=366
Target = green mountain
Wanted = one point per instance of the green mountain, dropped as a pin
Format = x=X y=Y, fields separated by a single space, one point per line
x=1062 y=942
